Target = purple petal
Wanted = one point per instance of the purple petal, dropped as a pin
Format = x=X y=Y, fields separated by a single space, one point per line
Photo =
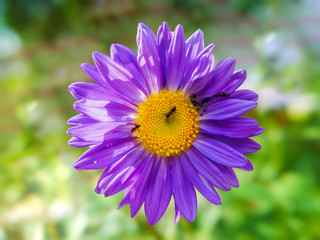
x=126 y=198
x=236 y=81
x=177 y=215
x=194 y=45
x=80 y=119
x=208 y=170
x=116 y=179
x=197 y=70
x=159 y=192
x=219 y=152
x=149 y=59
x=87 y=132
x=91 y=91
x=201 y=66
x=80 y=143
x=164 y=37
x=96 y=133
x=176 y=60
x=226 y=109
x=199 y=181
x=247 y=167
x=229 y=174
x=241 y=127
x=128 y=59
x=140 y=186
x=183 y=192
x=220 y=79
x=129 y=161
x=95 y=75
x=242 y=145
x=105 y=111
x=118 y=77
x=106 y=153
x=208 y=49
x=113 y=184
x=93 y=72
x=82 y=90
x=199 y=73
x=258 y=132
x=243 y=94
x=119 y=112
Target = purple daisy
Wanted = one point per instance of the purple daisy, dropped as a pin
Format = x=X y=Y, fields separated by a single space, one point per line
x=163 y=121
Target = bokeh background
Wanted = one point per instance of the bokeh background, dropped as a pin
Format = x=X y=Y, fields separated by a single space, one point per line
x=43 y=43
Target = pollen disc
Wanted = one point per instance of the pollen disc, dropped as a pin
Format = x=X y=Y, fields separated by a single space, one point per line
x=168 y=123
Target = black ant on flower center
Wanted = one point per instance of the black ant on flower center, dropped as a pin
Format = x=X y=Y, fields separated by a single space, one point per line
x=171 y=112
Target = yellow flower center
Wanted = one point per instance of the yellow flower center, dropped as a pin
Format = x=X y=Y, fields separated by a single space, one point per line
x=167 y=123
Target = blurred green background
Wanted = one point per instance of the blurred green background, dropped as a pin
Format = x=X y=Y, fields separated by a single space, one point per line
x=43 y=43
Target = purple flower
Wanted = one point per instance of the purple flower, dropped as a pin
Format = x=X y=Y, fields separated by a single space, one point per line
x=163 y=122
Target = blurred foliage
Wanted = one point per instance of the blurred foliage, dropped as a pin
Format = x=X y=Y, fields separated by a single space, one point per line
x=42 y=44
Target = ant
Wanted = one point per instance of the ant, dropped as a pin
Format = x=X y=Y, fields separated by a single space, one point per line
x=222 y=94
x=200 y=104
x=171 y=112
x=196 y=103
x=136 y=126
x=205 y=100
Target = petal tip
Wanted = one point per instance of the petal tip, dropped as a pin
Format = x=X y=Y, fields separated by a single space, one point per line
x=98 y=56
x=231 y=60
x=68 y=132
x=143 y=26
x=164 y=24
x=95 y=55
x=76 y=165
x=84 y=66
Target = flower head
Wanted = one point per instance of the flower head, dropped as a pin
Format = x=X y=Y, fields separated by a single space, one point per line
x=163 y=122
